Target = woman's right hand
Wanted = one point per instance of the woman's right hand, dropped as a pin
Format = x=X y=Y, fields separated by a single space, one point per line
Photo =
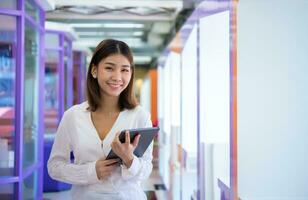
x=104 y=168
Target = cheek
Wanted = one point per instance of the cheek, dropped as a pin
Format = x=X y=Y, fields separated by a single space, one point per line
x=127 y=78
x=100 y=83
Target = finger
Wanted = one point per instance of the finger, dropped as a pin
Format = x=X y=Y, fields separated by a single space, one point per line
x=115 y=144
x=110 y=161
x=116 y=138
x=112 y=164
x=111 y=168
x=101 y=159
x=136 y=141
x=99 y=163
x=127 y=138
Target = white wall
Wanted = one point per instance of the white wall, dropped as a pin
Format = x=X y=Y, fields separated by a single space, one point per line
x=189 y=94
x=215 y=100
x=273 y=99
x=189 y=114
x=145 y=94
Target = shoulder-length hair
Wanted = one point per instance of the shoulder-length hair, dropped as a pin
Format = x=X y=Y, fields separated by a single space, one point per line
x=104 y=49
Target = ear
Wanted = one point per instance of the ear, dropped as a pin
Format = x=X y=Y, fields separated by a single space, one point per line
x=94 y=69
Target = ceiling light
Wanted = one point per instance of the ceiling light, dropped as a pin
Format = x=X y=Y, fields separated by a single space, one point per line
x=121 y=25
x=91 y=33
x=89 y=25
x=111 y=34
x=142 y=59
x=161 y=27
x=138 y=33
x=132 y=42
x=108 y=25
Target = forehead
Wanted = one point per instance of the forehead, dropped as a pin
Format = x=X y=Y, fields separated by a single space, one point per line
x=116 y=59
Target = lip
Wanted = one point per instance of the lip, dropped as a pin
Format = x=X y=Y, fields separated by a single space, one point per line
x=114 y=86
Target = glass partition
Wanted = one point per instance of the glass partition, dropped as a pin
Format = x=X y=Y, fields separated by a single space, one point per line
x=31 y=88
x=68 y=74
x=65 y=81
x=65 y=47
x=11 y=4
x=58 y=78
x=20 y=98
x=7 y=191
x=76 y=86
x=30 y=187
x=51 y=90
x=53 y=65
x=31 y=10
x=8 y=43
x=52 y=40
x=79 y=76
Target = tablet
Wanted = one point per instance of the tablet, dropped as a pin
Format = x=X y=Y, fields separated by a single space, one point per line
x=146 y=137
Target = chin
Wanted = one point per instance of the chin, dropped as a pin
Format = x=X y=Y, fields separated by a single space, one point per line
x=114 y=93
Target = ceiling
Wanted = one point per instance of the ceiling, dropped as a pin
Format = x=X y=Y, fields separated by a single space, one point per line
x=145 y=25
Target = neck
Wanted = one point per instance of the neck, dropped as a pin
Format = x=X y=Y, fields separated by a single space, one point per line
x=109 y=105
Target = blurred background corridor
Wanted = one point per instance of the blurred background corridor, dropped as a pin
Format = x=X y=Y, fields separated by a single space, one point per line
x=225 y=80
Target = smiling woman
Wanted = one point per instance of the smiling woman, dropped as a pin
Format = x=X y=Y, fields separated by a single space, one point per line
x=89 y=129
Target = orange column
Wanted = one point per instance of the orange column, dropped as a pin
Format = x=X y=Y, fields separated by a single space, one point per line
x=153 y=79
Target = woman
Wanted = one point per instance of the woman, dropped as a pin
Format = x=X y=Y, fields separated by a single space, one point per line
x=91 y=129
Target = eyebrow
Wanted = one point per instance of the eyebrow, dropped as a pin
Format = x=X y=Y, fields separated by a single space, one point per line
x=113 y=64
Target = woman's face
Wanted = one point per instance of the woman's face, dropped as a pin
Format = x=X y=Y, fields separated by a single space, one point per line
x=113 y=74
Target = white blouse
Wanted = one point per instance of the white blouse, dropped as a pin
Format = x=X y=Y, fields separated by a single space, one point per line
x=77 y=133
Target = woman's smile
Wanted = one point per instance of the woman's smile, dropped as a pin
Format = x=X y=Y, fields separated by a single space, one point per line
x=115 y=85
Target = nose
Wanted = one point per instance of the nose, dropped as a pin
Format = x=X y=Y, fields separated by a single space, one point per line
x=116 y=75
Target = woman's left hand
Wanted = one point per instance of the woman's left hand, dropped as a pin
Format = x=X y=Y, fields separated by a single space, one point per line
x=125 y=150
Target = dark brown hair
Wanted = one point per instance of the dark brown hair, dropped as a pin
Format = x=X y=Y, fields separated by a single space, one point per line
x=104 y=49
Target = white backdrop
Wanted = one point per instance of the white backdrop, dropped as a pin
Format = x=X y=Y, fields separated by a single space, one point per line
x=273 y=100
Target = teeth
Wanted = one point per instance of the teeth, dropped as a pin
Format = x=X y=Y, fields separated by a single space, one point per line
x=114 y=85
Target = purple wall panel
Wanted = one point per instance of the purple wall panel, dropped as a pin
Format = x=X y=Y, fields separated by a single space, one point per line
x=61 y=78
x=19 y=173
x=69 y=86
x=41 y=108
x=10 y=12
x=19 y=108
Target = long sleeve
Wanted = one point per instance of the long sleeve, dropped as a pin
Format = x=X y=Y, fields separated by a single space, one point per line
x=141 y=168
x=59 y=164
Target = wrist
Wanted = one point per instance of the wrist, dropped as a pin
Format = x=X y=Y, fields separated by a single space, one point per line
x=128 y=161
x=96 y=170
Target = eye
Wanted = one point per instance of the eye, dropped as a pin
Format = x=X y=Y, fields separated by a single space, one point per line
x=109 y=68
x=125 y=70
